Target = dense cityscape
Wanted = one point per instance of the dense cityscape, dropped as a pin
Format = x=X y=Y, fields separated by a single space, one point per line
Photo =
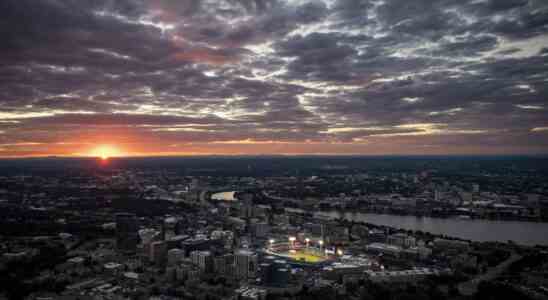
x=273 y=149
x=248 y=228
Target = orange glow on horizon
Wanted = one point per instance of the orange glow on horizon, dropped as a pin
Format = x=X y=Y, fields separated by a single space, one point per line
x=104 y=152
x=119 y=144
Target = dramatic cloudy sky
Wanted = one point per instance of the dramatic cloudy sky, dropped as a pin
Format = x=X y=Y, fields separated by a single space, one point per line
x=273 y=76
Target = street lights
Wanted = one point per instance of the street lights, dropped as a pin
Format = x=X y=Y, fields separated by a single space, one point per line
x=307 y=240
x=292 y=241
x=320 y=242
x=271 y=242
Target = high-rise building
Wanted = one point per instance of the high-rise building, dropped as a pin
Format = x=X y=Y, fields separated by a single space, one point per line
x=127 y=235
x=186 y=270
x=246 y=206
x=401 y=239
x=260 y=229
x=147 y=235
x=158 y=253
x=202 y=259
x=224 y=265
x=274 y=272
x=224 y=238
x=475 y=188
x=169 y=226
x=174 y=256
x=245 y=264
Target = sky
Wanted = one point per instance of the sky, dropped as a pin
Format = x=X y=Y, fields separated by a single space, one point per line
x=187 y=77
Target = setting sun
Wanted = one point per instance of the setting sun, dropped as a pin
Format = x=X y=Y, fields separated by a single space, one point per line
x=105 y=152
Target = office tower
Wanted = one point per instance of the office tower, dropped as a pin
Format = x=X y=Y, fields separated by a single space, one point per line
x=260 y=229
x=246 y=264
x=158 y=253
x=127 y=235
x=475 y=188
x=202 y=259
x=224 y=265
x=168 y=227
x=174 y=256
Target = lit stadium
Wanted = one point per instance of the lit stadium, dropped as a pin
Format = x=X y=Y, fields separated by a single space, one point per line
x=297 y=252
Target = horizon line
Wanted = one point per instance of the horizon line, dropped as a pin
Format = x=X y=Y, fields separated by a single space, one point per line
x=116 y=157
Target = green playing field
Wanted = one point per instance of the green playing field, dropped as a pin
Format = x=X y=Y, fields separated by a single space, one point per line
x=306 y=256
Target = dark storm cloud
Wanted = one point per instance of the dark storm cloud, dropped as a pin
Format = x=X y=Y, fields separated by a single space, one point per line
x=403 y=72
x=311 y=12
x=506 y=4
x=318 y=56
x=526 y=25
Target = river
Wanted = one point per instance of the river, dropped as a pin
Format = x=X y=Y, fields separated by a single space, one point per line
x=526 y=233
x=224 y=196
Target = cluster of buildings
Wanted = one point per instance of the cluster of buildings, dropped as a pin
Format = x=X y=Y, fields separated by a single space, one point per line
x=132 y=235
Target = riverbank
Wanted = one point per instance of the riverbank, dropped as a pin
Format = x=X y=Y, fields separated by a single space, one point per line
x=524 y=233
x=442 y=214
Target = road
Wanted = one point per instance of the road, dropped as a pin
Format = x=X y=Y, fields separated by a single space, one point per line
x=280 y=198
x=470 y=287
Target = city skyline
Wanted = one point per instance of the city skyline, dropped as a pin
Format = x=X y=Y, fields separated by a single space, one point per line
x=161 y=78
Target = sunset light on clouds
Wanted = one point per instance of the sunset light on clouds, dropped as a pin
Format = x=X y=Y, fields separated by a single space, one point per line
x=180 y=77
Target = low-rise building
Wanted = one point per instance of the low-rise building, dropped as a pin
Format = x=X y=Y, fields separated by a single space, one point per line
x=251 y=293
x=400 y=276
x=385 y=249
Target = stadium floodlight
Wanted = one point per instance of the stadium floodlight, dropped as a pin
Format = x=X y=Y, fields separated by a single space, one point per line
x=320 y=242
x=292 y=241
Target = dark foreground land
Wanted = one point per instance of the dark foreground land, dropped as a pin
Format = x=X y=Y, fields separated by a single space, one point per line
x=168 y=228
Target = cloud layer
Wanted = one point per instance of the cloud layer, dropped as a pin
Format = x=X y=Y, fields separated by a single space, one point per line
x=274 y=76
